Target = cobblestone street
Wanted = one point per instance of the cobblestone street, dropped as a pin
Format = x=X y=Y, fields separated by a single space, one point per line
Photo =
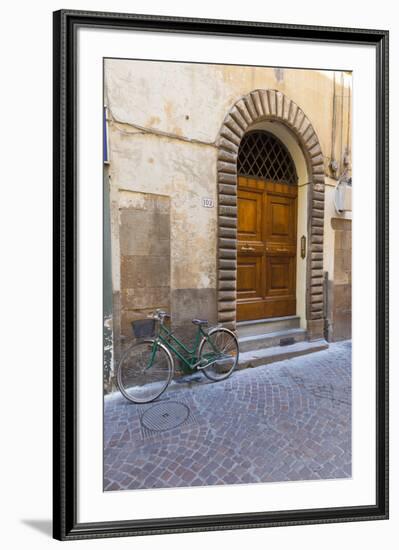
x=280 y=422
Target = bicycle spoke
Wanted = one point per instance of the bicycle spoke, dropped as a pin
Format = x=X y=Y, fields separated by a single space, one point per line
x=226 y=344
x=143 y=373
x=220 y=350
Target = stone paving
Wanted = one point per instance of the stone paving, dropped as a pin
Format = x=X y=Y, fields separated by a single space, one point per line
x=285 y=421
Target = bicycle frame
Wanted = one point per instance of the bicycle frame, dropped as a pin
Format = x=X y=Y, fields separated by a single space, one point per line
x=188 y=357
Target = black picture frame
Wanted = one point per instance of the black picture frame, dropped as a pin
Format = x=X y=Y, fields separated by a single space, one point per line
x=66 y=22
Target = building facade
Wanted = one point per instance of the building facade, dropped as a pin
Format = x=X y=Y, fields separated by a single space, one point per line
x=229 y=197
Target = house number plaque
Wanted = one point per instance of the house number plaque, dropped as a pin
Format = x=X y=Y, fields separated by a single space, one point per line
x=207 y=202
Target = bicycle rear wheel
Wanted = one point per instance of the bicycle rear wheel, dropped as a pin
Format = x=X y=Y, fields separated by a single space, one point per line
x=220 y=348
x=144 y=372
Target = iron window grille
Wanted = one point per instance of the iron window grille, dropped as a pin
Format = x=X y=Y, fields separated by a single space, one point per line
x=262 y=155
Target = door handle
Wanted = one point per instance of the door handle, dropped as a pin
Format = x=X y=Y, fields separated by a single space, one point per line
x=303 y=246
x=269 y=249
x=246 y=248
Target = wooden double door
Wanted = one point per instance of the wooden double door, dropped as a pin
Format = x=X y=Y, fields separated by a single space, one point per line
x=267 y=243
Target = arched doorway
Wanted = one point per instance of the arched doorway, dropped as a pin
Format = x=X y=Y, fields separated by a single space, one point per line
x=266 y=228
x=257 y=107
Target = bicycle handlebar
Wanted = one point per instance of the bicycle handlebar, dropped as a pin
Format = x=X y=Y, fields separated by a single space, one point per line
x=159 y=315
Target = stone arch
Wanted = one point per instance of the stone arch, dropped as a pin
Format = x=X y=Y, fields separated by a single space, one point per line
x=254 y=107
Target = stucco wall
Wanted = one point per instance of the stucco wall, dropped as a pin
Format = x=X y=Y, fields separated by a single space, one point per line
x=191 y=100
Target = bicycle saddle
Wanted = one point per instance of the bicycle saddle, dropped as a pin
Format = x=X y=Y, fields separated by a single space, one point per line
x=199 y=322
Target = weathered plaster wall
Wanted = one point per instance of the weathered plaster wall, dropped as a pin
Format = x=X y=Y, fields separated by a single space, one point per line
x=164 y=120
x=185 y=173
x=192 y=92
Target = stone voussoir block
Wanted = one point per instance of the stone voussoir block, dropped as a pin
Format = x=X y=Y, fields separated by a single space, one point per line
x=227 y=178
x=317 y=256
x=298 y=120
x=317 y=222
x=242 y=108
x=316 y=281
x=272 y=102
x=228 y=211
x=227 y=253
x=227 y=145
x=227 y=200
x=227 y=189
x=227 y=305
x=317 y=273
x=317 y=290
x=250 y=106
x=309 y=132
x=304 y=127
x=314 y=150
x=229 y=232
x=228 y=243
x=318 y=159
x=293 y=113
x=239 y=119
x=226 y=167
x=225 y=221
x=317 y=195
x=227 y=263
x=286 y=107
x=230 y=136
x=257 y=102
x=318 y=213
x=312 y=142
x=318 y=205
x=227 y=296
x=234 y=127
x=265 y=102
x=279 y=104
x=227 y=156
x=318 y=169
x=226 y=316
x=227 y=285
x=227 y=274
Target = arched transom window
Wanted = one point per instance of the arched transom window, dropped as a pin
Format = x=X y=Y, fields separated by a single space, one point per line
x=263 y=155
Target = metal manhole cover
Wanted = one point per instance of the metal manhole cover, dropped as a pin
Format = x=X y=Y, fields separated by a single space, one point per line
x=165 y=416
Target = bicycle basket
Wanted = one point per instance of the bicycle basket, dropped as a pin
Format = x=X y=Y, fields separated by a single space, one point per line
x=143 y=328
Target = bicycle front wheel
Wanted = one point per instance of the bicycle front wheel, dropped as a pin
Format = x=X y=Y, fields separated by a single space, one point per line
x=220 y=349
x=144 y=371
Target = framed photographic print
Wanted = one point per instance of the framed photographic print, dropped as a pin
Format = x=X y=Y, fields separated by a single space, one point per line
x=221 y=274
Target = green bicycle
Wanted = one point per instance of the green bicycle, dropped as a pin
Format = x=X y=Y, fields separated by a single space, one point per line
x=146 y=368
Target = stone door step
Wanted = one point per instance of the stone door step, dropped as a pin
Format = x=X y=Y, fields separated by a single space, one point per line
x=271 y=339
x=279 y=353
x=265 y=326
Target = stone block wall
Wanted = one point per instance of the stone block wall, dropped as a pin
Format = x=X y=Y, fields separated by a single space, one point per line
x=145 y=258
x=340 y=287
